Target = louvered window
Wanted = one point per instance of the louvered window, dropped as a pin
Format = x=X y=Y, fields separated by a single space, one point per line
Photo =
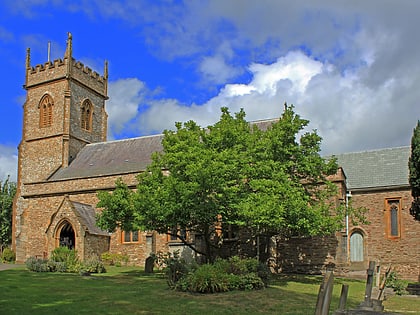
x=86 y=115
x=46 y=111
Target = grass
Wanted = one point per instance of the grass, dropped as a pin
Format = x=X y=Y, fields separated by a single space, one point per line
x=128 y=290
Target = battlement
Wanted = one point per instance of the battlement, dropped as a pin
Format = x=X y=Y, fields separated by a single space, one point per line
x=88 y=71
x=67 y=68
x=48 y=65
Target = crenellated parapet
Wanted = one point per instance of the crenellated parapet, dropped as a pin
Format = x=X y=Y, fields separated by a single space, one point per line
x=89 y=77
x=66 y=69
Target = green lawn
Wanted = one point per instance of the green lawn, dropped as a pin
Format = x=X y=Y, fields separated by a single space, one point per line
x=128 y=290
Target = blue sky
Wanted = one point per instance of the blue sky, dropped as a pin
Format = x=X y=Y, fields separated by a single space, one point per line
x=350 y=67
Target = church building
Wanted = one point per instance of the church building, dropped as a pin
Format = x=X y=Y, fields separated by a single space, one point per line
x=65 y=159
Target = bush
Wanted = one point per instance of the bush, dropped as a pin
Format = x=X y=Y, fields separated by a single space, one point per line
x=8 y=255
x=37 y=264
x=206 y=279
x=173 y=266
x=239 y=266
x=68 y=257
x=64 y=260
x=393 y=281
x=114 y=259
x=93 y=265
x=224 y=275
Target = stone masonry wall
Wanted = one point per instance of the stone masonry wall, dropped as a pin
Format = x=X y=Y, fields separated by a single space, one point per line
x=42 y=200
x=398 y=252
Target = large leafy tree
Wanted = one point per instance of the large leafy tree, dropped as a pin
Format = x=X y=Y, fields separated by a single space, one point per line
x=414 y=168
x=7 y=193
x=270 y=181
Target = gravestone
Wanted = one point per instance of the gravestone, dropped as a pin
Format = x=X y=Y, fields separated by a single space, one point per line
x=149 y=264
x=325 y=294
x=370 y=304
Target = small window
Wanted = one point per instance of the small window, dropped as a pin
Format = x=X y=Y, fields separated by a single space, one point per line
x=230 y=232
x=176 y=234
x=45 y=111
x=130 y=236
x=86 y=115
x=393 y=217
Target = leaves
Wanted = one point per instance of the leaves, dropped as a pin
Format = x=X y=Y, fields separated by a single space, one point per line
x=7 y=193
x=414 y=168
x=266 y=180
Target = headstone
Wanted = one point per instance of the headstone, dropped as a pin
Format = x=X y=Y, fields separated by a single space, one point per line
x=149 y=264
x=369 y=304
x=325 y=294
x=343 y=301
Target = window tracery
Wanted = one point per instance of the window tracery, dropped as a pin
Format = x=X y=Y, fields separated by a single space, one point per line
x=86 y=115
x=45 y=111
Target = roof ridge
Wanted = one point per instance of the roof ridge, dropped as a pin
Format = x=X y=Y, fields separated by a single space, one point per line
x=372 y=150
x=124 y=140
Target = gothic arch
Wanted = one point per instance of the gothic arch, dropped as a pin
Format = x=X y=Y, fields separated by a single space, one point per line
x=65 y=234
x=86 y=113
x=45 y=107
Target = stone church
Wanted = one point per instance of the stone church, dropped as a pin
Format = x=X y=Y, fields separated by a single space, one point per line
x=64 y=160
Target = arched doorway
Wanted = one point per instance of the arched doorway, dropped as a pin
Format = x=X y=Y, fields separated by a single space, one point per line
x=67 y=237
x=356 y=247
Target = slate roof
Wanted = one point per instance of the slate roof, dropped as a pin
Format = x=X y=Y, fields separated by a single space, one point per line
x=110 y=158
x=86 y=214
x=376 y=168
x=364 y=170
x=120 y=157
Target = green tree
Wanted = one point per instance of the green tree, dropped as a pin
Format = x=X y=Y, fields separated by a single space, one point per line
x=7 y=193
x=414 y=168
x=270 y=181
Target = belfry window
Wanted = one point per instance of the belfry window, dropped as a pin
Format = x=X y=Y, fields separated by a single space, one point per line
x=86 y=115
x=45 y=111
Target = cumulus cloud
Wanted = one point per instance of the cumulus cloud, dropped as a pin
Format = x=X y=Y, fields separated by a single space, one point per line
x=125 y=97
x=8 y=163
x=351 y=69
x=348 y=114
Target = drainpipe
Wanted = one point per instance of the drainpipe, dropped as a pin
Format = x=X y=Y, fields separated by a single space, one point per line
x=348 y=196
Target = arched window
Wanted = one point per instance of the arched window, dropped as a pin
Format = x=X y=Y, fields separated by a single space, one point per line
x=45 y=111
x=392 y=217
x=86 y=115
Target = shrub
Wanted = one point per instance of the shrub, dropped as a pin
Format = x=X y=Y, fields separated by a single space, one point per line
x=68 y=257
x=250 y=281
x=114 y=259
x=93 y=265
x=8 y=255
x=393 y=281
x=224 y=275
x=37 y=264
x=173 y=266
x=206 y=279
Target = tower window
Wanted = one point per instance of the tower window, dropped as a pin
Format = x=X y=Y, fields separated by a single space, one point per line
x=86 y=115
x=45 y=111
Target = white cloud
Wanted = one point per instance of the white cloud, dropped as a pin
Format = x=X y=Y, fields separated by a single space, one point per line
x=218 y=68
x=8 y=163
x=216 y=71
x=125 y=96
x=348 y=114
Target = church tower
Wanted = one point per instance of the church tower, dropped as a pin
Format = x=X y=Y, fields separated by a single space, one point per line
x=64 y=110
